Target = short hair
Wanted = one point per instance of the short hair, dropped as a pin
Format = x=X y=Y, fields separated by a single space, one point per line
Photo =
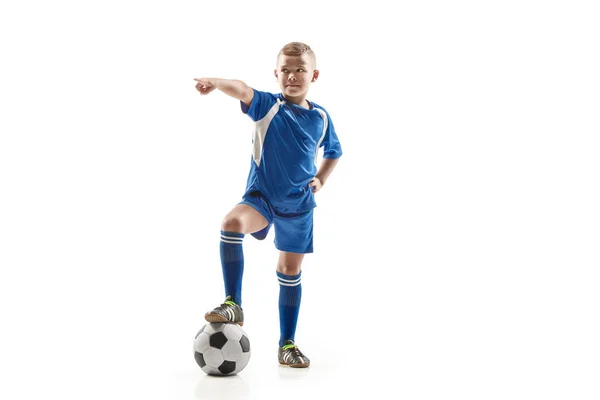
x=298 y=49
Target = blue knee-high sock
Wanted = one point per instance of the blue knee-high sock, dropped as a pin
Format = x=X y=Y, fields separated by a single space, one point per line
x=290 y=294
x=232 y=262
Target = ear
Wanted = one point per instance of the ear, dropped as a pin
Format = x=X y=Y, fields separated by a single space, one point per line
x=315 y=75
x=275 y=72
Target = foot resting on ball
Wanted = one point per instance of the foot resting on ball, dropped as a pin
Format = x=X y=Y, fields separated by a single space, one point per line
x=229 y=311
x=290 y=354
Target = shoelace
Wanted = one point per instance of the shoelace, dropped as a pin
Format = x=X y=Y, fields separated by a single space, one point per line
x=225 y=306
x=293 y=350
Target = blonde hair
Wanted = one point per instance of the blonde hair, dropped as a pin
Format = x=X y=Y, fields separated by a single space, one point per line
x=298 y=49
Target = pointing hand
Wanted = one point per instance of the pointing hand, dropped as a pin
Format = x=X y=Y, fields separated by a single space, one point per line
x=205 y=85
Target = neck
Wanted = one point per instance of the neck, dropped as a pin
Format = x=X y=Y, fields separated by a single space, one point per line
x=300 y=100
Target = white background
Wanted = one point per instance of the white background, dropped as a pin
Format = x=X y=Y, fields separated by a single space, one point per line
x=456 y=244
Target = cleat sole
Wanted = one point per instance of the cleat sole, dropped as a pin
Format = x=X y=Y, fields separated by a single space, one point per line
x=219 y=318
x=295 y=365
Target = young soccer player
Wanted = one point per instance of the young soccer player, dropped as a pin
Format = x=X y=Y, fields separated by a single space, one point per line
x=281 y=186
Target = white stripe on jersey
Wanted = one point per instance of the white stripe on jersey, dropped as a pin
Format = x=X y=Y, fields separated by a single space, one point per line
x=324 y=115
x=260 y=131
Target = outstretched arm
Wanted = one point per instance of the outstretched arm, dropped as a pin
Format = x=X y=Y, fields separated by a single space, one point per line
x=325 y=169
x=231 y=87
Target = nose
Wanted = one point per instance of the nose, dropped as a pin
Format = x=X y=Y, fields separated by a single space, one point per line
x=291 y=77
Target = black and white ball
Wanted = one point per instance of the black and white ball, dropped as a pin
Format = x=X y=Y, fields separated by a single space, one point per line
x=222 y=348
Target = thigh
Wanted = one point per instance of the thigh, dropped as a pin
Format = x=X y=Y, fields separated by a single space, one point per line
x=244 y=219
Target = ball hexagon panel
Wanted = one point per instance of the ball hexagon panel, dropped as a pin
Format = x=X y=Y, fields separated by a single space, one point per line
x=213 y=357
x=202 y=342
x=233 y=332
x=232 y=350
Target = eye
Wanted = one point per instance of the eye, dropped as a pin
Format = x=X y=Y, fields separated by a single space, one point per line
x=284 y=70
x=300 y=69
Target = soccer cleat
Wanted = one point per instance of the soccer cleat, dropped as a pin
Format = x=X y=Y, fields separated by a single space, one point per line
x=226 y=312
x=260 y=235
x=290 y=354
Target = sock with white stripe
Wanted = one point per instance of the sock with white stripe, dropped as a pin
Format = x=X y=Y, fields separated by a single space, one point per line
x=232 y=262
x=290 y=294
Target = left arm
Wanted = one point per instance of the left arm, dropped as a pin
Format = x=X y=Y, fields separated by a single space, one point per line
x=326 y=168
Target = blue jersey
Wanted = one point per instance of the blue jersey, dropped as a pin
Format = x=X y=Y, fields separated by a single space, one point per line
x=285 y=142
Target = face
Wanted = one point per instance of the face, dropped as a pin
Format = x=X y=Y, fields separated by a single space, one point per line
x=295 y=74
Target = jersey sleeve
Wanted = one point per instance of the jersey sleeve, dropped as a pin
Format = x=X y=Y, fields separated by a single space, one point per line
x=331 y=144
x=260 y=105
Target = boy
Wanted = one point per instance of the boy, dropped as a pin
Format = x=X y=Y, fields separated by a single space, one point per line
x=283 y=178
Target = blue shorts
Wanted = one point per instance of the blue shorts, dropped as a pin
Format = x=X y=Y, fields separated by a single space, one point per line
x=293 y=230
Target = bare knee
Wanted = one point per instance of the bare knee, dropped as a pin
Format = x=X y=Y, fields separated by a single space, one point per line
x=290 y=263
x=289 y=270
x=232 y=223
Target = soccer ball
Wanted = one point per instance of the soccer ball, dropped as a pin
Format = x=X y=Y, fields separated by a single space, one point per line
x=222 y=348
